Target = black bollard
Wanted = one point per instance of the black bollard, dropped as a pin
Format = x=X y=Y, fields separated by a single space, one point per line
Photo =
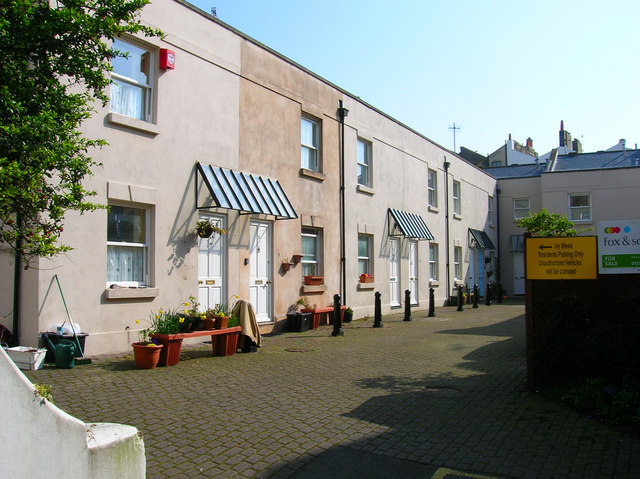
x=499 y=293
x=377 y=315
x=337 y=317
x=459 y=298
x=475 y=295
x=488 y=302
x=432 y=304
x=407 y=305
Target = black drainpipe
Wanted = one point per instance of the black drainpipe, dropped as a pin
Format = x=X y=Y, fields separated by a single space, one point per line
x=446 y=225
x=342 y=114
x=499 y=265
x=17 y=266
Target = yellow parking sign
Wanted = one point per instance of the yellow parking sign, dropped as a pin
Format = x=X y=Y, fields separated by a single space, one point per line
x=574 y=257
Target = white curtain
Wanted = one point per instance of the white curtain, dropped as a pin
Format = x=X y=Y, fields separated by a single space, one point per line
x=127 y=100
x=125 y=264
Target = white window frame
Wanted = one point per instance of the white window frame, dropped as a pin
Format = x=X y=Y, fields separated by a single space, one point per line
x=581 y=209
x=432 y=188
x=146 y=88
x=457 y=263
x=433 y=262
x=145 y=247
x=365 y=259
x=519 y=210
x=364 y=161
x=457 y=195
x=312 y=149
x=311 y=263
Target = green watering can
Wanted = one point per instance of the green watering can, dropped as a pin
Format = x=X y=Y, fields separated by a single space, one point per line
x=64 y=352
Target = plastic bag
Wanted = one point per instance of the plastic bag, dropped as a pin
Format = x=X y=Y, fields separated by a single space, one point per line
x=66 y=328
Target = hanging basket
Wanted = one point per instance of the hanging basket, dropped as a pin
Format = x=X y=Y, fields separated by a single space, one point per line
x=204 y=229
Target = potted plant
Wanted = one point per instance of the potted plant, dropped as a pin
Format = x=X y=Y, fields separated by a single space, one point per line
x=348 y=315
x=193 y=319
x=218 y=316
x=166 y=325
x=205 y=228
x=297 y=321
x=366 y=278
x=311 y=278
x=146 y=353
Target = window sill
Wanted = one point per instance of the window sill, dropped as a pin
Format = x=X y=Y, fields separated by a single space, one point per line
x=434 y=209
x=366 y=286
x=130 y=293
x=456 y=216
x=133 y=123
x=313 y=289
x=365 y=189
x=434 y=283
x=316 y=175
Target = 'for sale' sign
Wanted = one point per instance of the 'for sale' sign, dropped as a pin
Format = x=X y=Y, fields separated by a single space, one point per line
x=619 y=247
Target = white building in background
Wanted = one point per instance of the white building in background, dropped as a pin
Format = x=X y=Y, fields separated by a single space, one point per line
x=586 y=187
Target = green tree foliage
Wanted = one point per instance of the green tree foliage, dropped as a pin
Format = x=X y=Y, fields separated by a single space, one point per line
x=55 y=62
x=547 y=224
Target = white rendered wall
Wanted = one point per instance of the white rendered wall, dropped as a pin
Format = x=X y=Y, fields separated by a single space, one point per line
x=40 y=440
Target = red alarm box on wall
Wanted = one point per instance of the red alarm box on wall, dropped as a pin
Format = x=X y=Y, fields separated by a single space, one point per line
x=167 y=59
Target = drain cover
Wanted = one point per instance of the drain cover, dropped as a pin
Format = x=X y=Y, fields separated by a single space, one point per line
x=443 y=391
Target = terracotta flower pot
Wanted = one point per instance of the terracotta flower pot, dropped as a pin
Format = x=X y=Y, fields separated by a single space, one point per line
x=222 y=322
x=146 y=356
x=209 y=323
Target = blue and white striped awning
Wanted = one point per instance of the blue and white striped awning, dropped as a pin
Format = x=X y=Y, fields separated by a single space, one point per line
x=408 y=225
x=245 y=192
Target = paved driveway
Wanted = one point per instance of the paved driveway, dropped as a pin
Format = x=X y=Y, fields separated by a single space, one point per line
x=439 y=397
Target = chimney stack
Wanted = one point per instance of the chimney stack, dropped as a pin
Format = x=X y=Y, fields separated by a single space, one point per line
x=565 y=136
x=529 y=143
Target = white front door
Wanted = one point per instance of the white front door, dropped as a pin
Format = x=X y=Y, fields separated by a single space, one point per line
x=480 y=271
x=260 y=270
x=413 y=271
x=394 y=272
x=518 y=273
x=211 y=266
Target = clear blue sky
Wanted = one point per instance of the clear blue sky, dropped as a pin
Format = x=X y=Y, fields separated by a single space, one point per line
x=492 y=67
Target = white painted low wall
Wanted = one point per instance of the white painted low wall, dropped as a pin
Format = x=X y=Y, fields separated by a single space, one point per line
x=37 y=439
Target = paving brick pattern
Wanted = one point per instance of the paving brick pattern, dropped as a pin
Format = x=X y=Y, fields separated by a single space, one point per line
x=437 y=394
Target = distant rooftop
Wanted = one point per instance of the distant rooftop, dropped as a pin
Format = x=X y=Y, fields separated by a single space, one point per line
x=599 y=160
x=516 y=171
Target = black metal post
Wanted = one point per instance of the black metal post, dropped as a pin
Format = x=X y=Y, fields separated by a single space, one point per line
x=499 y=293
x=432 y=304
x=476 y=293
x=488 y=302
x=459 y=298
x=377 y=315
x=407 y=305
x=337 y=319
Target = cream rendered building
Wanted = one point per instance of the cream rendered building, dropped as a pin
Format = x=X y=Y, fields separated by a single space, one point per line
x=237 y=133
x=585 y=187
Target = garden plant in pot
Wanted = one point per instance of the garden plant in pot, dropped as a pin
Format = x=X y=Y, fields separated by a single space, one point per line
x=296 y=321
x=146 y=353
x=205 y=228
x=166 y=328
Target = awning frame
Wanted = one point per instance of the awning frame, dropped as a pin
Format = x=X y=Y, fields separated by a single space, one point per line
x=479 y=239
x=243 y=192
x=409 y=225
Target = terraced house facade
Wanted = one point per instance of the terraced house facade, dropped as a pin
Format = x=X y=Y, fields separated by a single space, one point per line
x=304 y=177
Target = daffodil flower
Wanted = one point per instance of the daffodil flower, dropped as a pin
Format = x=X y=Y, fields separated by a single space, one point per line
x=181 y=320
x=137 y=321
